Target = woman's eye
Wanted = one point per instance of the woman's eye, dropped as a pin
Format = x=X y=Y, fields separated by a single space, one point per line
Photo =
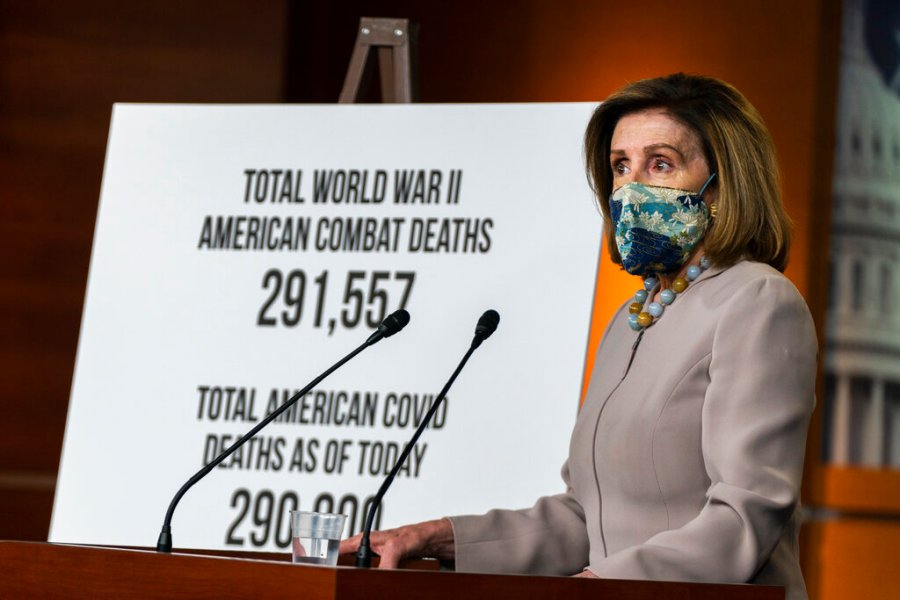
x=619 y=168
x=661 y=165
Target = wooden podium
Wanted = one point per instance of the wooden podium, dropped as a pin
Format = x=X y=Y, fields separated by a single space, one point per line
x=42 y=570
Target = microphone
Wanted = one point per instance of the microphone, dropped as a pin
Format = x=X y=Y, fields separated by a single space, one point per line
x=391 y=325
x=487 y=324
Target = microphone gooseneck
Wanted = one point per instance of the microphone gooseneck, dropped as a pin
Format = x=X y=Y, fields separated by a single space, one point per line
x=391 y=325
x=487 y=324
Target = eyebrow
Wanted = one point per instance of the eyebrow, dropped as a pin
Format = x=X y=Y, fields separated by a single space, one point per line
x=652 y=147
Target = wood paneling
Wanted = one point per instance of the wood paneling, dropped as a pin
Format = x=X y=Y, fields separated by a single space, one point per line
x=52 y=571
x=25 y=510
x=62 y=65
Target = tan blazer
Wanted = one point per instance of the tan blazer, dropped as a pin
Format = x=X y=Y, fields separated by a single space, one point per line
x=686 y=458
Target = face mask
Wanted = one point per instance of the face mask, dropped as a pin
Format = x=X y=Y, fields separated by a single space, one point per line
x=657 y=227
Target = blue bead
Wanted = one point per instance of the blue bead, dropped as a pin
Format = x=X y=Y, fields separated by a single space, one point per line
x=693 y=272
x=667 y=296
x=655 y=309
x=705 y=262
x=650 y=283
x=640 y=296
x=632 y=321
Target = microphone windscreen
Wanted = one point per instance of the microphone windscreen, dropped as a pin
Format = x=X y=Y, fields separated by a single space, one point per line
x=394 y=322
x=487 y=324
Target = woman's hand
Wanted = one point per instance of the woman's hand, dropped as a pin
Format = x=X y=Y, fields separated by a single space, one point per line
x=431 y=538
x=586 y=574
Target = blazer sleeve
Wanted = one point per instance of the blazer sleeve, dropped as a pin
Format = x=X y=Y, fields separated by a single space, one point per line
x=754 y=422
x=549 y=538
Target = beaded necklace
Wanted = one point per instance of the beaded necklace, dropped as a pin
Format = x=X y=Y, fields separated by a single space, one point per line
x=638 y=318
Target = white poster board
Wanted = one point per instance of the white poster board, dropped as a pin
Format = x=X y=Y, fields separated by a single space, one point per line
x=241 y=250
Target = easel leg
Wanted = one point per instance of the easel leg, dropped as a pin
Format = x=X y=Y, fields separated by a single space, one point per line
x=395 y=40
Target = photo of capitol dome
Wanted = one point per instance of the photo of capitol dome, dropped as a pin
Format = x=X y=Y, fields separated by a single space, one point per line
x=862 y=345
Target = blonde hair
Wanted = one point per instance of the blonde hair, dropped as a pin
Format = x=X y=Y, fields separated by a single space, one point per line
x=751 y=221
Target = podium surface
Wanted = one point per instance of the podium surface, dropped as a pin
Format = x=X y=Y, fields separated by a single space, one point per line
x=42 y=570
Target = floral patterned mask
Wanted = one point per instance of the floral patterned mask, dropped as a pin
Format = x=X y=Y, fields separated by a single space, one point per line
x=657 y=227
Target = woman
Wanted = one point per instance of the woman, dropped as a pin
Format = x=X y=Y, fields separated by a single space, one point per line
x=686 y=458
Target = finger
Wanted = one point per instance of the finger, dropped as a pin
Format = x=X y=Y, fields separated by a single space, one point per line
x=388 y=562
x=389 y=559
x=350 y=545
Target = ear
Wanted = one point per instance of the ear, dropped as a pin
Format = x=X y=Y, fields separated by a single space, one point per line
x=710 y=195
x=710 y=189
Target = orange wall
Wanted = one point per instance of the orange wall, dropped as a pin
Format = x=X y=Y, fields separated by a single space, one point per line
x=853 y=557
x=781 y=55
